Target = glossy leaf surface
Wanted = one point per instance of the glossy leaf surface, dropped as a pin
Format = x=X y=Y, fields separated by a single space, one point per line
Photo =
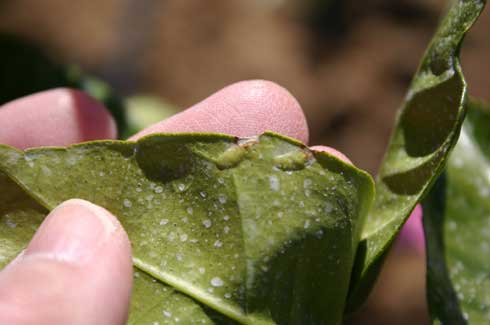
x=426 y=129
x=457 y=227
x=256 y=230
x=20 y=216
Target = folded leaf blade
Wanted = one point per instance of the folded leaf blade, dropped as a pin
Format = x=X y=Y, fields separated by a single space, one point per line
x=427 y=128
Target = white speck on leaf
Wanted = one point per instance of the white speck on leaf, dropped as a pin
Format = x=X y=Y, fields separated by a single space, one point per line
x=207 y=223
x=319 y=234
x=217 y=282
x=274 y=183
x=306 y=183
x=307 y=224
x=218 y=243
x=10 y=223
x=222 y=198
x=127 y=203
x=328 y=207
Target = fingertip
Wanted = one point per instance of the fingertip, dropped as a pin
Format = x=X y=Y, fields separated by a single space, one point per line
x=56 y=117
x=94 y=119
x=242 y=109
x=256 y=106
x=333 y=152
x=267 y=106
x=76 y=230
x=79 y=266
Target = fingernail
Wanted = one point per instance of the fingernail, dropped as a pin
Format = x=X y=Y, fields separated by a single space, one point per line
x=72 y=232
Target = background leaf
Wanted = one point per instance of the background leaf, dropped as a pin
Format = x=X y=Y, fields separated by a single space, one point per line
x=457 y=228
x=427 y=128
x=257 y=230
x=145 y=110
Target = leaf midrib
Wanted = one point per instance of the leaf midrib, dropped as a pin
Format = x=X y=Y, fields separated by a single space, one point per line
x=180 y=285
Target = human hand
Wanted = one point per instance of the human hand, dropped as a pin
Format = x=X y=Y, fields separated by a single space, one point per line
x=77 y=269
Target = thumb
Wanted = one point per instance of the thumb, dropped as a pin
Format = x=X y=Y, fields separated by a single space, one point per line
x=76 y=270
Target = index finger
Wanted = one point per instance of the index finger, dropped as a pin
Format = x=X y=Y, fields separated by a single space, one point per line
x=243 y=109
x=57 y=117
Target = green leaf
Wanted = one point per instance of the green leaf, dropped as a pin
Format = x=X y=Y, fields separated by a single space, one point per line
x=20 y=216
x=25 y=69
x=457 y=227
x=427 y=128
x=257 y=230
x=153 y=301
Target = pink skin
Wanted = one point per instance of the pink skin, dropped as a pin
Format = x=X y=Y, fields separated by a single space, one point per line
x=412 y=234
x=53 y=281
x=243 y=109
x=56 y=117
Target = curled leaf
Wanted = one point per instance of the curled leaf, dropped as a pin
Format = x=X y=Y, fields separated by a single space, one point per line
x=426 y=130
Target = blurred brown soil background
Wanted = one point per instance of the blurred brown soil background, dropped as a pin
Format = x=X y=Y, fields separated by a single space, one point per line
x=348 y=63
